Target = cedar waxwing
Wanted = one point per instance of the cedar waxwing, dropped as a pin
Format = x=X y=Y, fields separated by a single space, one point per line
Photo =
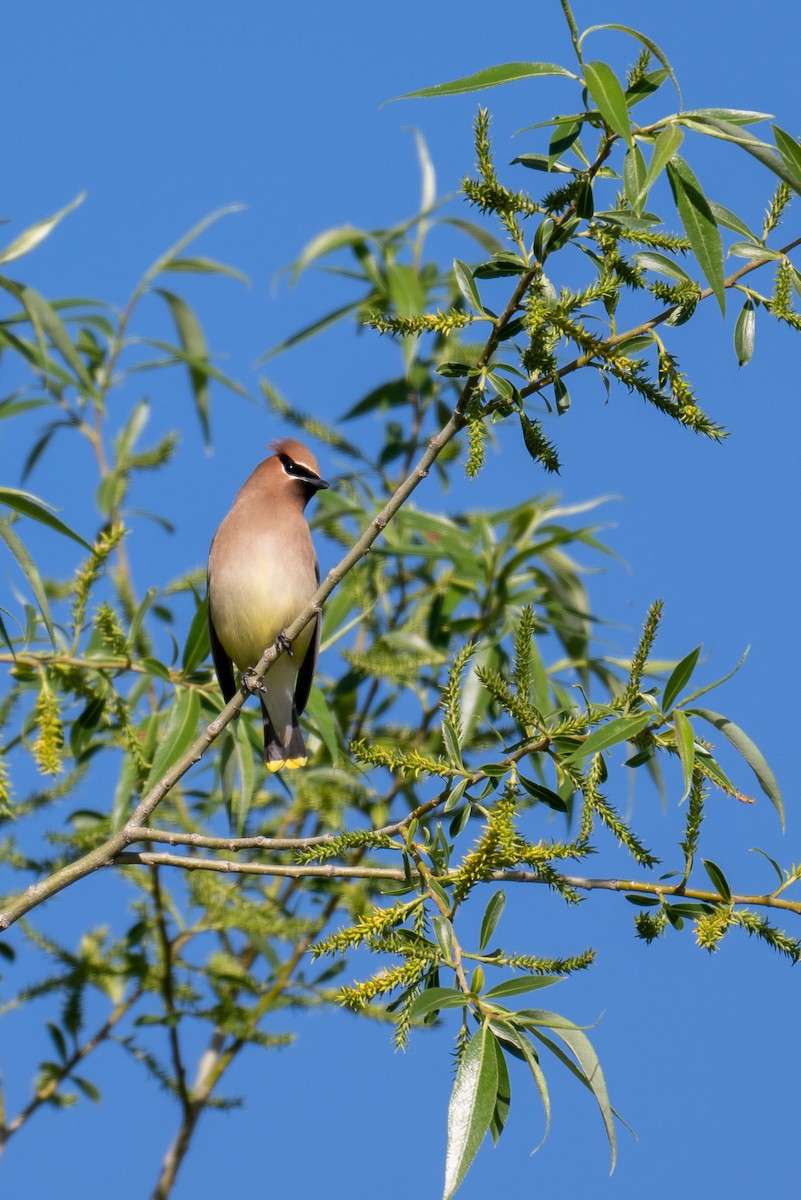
x=262 y=572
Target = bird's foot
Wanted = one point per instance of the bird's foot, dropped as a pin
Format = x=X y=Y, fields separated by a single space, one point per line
x=251 y=684
x=284 y=643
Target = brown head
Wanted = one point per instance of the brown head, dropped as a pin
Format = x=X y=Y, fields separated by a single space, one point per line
x=293 y=469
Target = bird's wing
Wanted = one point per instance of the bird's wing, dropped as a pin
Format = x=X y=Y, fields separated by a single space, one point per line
x=222 y=663
x=309 y=664
x=306 y=672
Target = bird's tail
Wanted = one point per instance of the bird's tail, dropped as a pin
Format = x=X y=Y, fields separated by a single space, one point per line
x=277 y=754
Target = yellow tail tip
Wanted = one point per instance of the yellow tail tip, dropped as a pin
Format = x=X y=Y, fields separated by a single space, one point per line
x=291 y=764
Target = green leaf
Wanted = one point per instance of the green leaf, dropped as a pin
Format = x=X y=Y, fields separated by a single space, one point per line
x=240 y=803
x=28 y=568
x=719 y=881
x=443 y=931
x=196 y=647
x=541 y=162
x=472 y=1106
x=730 y=132
x=319 y=712
x=193 y=344
x=756 y=253
x=685 y=744
x=521 y=1047
x=178 y=734
x=609 y=98
x=679 y=677
x=164 y=261
x=467 y=285
x=751 y=753
x=772 y=861
x=45 y=317
x=433 y=999
x=205 y=266
x=730 y=220
x=621 y=729
x=646 y=41
x=35 y=234
x=651 y=260
x=487 y=78
x=744 y=332
x=503 y=1098
x=450 y=737
x=89 y=1090
x=492 y=915
x=32 y=506
x=57 y=1037
x=789 y=149
x=699 y=224
x=520 y=985
x=544 y=794
x=665 y=146
x=634 y=176
x=589 y=1070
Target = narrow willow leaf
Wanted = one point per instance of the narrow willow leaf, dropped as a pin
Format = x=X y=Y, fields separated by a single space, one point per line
x=240 y=803
x=646 y=41
x=541 y=162
x=487 y=78
x=492 y=915
x=744 y=332
x=685 y=744
x=47 y=318
x=164 y=261
x=699 y=224
x=772 y=861
x=471 y=1108
x=562 y=396
x=621 y=729
x=544 y=794
x=34 y=234
x=193 y=343
x=206 y=266
x=522 y=1048
x=665 y=146
x=467 y=285
x=196 y=647
x=719 y=881
x=679 y=677
x=634 y=176
x=762 y=151
x=503 y=1098
x=28 y=568
x=322 y=718
x=178 y=734
x=735 y=116
x=730 y=220
x=789 y=149
x=520 y=985
x=31 y=506
x=755 y=253
x=751 y=753
x=609 y=98
x=651 y=260
x=590 y=1072
x=443 y=931
x=433 y=999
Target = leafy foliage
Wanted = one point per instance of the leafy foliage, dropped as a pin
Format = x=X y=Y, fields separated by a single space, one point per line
x=465 y=729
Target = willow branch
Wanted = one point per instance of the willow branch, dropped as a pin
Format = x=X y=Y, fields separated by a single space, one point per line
x=45 y=1093
x=584 y=360
x=396 y=874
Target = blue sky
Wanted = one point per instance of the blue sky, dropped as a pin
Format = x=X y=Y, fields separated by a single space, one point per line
x=163 y=113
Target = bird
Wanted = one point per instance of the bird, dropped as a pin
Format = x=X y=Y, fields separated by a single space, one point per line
x=262 y=571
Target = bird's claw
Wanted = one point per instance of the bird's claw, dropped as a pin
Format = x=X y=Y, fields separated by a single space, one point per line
x=251 y=684
x=284 y=643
